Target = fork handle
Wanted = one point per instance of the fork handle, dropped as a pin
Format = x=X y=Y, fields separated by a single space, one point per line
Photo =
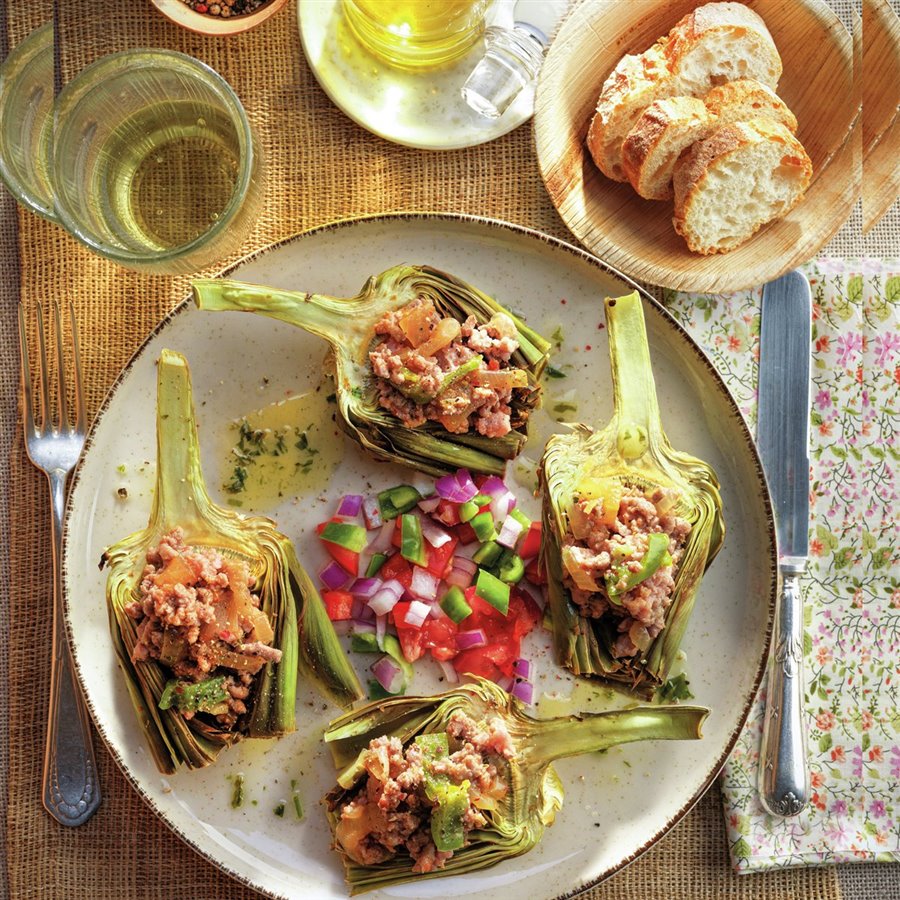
x=71 y=789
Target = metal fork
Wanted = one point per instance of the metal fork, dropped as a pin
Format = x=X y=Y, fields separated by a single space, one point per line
x=71 y=790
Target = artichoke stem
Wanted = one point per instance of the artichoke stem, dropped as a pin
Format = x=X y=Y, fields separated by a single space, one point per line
x=331 y=318
x=572 y=735
x=180 y=496
x=634 y=390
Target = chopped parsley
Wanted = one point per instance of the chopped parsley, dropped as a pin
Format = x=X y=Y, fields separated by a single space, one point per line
x=677 y=688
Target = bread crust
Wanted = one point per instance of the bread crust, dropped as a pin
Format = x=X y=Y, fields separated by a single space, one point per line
x=725 y=100
x=664 y=121
x=692 y=169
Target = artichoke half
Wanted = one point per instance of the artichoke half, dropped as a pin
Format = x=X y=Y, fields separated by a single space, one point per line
x=633 y=453
x=534 y=793
x=288 y=598
x=349 y=326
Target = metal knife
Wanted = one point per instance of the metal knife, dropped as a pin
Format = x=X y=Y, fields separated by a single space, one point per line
x=782 y=436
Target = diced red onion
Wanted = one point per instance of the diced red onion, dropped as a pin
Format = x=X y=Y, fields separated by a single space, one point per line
x=540 y=601
x=462 y=573
x=389 y=674
x=424 y=585
x=333 y=576
x=450 y=488
x=505 y=683
x=350 y=505
x=360 y=612
x=493 y=485
x=434 y=534
x=380 y=629
x=382 y=540
x=468 y=640
x=436 y=611
x=360 y=627
x=522 y=668
x=366 y=588
x=451 y=676
x=501 y=505
x=429 y=504
x=417 y=613
x=343 y=626
x=524 y=690
x=510 y=532
x=386 y=599
x=372 y=513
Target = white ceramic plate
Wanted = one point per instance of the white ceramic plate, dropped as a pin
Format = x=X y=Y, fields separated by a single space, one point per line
x=617 y=804
x=421 y=109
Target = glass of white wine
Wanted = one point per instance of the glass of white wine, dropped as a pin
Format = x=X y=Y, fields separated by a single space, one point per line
x=154 y=162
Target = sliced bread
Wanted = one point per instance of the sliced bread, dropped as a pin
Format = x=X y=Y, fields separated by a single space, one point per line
x=631 y=87
x=662 y=132
x=721 y=42
x=741 y=177
x=738 y=101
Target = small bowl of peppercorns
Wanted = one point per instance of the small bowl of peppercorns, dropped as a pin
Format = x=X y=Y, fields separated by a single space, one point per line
x=218 y=16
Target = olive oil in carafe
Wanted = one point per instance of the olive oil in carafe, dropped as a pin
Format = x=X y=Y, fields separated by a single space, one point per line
x=167 y=175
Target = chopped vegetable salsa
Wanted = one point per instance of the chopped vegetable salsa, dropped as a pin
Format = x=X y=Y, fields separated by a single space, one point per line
x=453 y=576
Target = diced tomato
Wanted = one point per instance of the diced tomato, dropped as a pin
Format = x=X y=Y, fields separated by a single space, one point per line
x=531 y=543
x=436 y=634
x=493 y=364
x=492 y=661
x=412 y=640
x=535 y=573
x=398 y=568
x=348 y=560
x=396 y=536
x=447 y=513
x=338 y=605
x=439 y=559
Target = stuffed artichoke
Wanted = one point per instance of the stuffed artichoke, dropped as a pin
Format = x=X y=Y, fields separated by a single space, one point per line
x=630 y=527
x=444 y=785
x=210 y=611
x=430 y=372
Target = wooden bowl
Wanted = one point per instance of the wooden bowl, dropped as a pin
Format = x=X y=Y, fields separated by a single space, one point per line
x=636 y=235
x=180 y=13
x=880 y=121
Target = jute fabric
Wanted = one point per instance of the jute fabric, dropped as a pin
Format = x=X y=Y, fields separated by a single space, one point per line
x=321 y=167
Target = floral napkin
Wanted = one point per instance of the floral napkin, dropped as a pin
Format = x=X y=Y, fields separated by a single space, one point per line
x=852 y=588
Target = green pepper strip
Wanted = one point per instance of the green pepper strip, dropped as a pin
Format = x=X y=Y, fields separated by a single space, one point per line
x=656 y=557
x=189 y=697
x=487 y=554
x=483 y=526
x=345 y=534
x=397 y=500
x=411 y=382
x=453 y=603
x=492 y=590
x=375 y=564
x=447 y=829
x=412 y=545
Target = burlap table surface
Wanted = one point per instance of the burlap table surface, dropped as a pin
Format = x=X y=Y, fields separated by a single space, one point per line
x=321 y=167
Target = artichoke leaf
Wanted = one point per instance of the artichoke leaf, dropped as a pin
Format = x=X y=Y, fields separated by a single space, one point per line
x=633 y=452
x=348 y=324
x=535 y=793
x=287 y=597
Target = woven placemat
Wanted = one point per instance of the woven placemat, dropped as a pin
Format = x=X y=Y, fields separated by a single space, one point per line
x=321 y=167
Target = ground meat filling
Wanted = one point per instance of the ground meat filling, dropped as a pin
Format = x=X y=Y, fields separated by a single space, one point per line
x=599 y=551
x=197 y=616
x=434 y=369
x=390 y=813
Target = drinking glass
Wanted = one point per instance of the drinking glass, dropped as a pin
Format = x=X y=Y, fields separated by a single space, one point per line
x=154 y=163
x=26 y=121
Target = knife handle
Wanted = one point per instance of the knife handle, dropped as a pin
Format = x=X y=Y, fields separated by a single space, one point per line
x=783 y=767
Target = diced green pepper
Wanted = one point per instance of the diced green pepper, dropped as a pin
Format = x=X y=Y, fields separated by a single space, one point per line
x=377 y=692
x=189 y=697
x=511 y=569
x=482 y=500
x=395 y=652
x=487 y=554
x=434 y=747
x=447 y=830
x=345 y=534
x=454 y=604
x=483 y=526
x=412 y=544
x=364 y=643
x=656 y=557
x=397 y=500
x=411 y=386
x=468 y=511
x=492 y=590
x=375 y=564
x=521 y=518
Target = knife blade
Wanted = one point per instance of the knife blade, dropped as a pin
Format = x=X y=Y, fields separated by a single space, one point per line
x=782 y=436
